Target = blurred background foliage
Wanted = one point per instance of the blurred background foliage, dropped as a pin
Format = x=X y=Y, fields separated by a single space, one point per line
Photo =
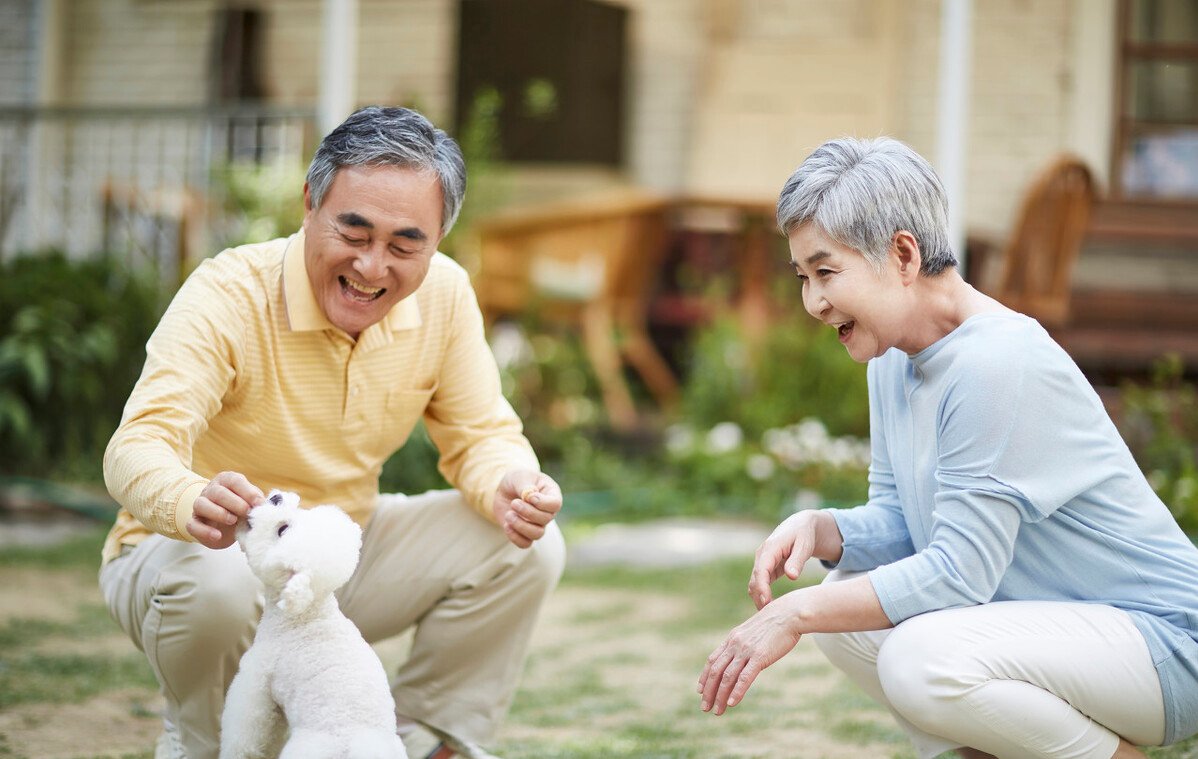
x=764 y=426
x=1159 y=421
x=758 y=433
x=72 y=343
x=260 y=201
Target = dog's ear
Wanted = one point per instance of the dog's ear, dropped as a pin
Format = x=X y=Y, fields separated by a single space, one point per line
x=297 y=594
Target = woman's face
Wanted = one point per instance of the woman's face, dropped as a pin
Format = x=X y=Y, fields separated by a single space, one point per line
x=844 y=291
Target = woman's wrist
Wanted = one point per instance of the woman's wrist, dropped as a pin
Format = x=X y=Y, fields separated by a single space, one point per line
x=828 y=543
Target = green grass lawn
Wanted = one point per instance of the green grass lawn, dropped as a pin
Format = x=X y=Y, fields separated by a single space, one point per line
x=611 y=673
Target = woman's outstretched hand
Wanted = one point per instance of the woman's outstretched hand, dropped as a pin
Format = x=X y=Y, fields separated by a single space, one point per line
x=786 y=550
x=761 y=640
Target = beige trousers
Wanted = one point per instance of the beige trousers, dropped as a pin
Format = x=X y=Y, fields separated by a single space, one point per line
x=427 y=560
x=1012 y=678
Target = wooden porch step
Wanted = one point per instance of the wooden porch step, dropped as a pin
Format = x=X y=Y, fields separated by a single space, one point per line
x=1124 y=309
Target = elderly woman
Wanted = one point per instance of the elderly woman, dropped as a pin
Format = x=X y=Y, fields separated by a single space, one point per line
x=1013 y=587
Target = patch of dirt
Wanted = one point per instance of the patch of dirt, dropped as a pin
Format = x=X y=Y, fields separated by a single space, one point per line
x=645 y=668
x=43 y=594
x=118 y=723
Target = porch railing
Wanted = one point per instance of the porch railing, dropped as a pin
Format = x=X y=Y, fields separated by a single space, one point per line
x=138 y=181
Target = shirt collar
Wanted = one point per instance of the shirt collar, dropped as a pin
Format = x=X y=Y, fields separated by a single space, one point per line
x=305 y=314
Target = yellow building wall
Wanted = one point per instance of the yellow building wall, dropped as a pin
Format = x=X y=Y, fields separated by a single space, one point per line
x=726 y=96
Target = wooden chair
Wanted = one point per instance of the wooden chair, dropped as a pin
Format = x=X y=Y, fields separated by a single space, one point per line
x=592 y=263
x=161 y=226
x=1038 y=260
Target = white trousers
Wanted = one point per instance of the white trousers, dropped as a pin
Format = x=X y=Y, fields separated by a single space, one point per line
x=1011 y=678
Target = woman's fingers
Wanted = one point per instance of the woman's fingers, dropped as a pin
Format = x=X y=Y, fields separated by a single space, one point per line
x=765 y=570
x=715 y=675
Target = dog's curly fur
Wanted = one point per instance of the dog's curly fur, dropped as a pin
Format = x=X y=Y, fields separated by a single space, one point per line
x=309 y=670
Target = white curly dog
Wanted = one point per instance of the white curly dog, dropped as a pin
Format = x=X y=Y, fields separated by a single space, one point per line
x=309 y=670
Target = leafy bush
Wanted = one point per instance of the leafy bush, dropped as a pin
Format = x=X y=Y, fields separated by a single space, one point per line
x=749 y=441
x=798 y=370
x=72 y=344
x=413 y=468
x=262 y=201
x=1160 y=423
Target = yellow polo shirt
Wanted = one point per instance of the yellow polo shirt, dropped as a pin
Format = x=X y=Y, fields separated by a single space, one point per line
x=245 y=373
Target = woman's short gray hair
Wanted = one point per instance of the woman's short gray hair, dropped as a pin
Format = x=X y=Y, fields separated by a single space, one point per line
x=860 y=192
x=376 y=136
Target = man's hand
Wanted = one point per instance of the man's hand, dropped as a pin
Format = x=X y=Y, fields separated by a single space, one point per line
x=226 y=500
x=525 y=503
x=761 y=640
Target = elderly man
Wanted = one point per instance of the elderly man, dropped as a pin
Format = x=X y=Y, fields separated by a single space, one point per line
x=303 y=363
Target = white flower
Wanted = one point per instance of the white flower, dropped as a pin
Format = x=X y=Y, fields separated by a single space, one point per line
x=805 y=500
x=811 y=430
x=510 y=346
x=760 y=467
x=725 y=437
x=839 y=452
x=1184 y=488
x=679 y=439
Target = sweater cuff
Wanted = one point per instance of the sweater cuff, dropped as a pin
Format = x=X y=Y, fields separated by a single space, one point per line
x=185 y=508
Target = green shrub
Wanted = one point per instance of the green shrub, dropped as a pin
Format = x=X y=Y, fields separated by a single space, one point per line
x=1159 y=421
x=797 y=370
x=262 y=201
x=413 y=468
x=72 y=344
x=732 y=451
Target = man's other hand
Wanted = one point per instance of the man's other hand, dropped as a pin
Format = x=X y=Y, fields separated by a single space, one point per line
x=225 y=501
x=525 y=503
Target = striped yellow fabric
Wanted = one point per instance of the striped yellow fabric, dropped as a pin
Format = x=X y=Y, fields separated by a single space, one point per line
x=245 y=373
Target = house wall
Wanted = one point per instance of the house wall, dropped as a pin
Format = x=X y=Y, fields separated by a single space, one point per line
x=779 y=77
x=137 y=52
x=782 y=76
x=726 y=96
x=406 y=53
x=18 y=52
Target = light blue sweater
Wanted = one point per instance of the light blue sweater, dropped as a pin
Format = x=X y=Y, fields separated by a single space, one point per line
x=997 y=475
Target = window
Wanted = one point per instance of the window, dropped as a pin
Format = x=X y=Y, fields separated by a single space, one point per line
x=1156 y=134
x=553 y=73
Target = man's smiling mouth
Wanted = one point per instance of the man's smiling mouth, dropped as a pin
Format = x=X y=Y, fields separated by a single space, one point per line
x=360 y=292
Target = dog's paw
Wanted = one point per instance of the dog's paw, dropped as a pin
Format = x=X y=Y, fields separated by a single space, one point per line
x=297 y=594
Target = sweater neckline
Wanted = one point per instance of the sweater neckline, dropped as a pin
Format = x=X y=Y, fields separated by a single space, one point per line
x=922 y=358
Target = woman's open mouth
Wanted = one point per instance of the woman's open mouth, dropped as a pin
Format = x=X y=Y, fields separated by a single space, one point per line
x=359 y=292
x=845 y=331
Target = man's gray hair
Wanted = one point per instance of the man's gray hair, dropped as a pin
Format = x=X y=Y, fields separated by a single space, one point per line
x=375 y=136
x=860 y=192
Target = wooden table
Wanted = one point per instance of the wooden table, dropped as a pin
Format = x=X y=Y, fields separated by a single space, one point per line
x=595 y=262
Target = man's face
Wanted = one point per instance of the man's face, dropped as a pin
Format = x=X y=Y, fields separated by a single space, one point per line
x=369 y=244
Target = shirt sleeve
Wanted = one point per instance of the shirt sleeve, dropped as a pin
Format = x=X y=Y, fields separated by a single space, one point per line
x=876 y=532
x=190 y=363
x=478 y=434
x=1012 y=449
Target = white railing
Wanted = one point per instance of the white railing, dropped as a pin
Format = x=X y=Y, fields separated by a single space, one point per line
x=136 y=181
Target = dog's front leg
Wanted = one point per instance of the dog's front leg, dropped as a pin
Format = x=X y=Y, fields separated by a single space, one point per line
x=252 y=726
